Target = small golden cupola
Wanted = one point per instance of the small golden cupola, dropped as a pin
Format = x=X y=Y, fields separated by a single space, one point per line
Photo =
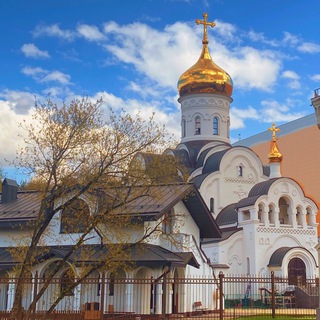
x=205 y=76
x=275 y=156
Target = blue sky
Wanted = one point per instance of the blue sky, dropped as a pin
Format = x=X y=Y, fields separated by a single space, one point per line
x=132 y=52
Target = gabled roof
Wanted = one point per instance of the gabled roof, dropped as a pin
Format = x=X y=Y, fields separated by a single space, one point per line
x=146 y=203
x=139 y=255
x=158 y=200
x=23 y=209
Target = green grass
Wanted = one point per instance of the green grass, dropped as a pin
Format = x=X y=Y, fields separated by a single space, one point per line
x=279 y=317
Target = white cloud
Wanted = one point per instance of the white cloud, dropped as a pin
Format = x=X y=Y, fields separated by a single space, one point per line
x=238 y=116
x=144 y=90
x=316 y=77
x=290 y=39
x=145 y=109
x=158 y=58
x=294 y=78
x=11 y=140
x=249 y=68
x=309 y=47
x=54 y=30
x=289 y=74
x=30 y=50
x=56 y=76
x=19 y=102
x=271 y=111
x=44 y=76
x=225 y=30
x=91 y=33
x=252 y=69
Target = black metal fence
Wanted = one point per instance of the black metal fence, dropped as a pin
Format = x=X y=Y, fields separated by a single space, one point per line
x=221 y=297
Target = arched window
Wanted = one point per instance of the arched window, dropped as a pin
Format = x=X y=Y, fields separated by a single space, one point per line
x=228 y=128
x=212 y=204
x=197 y=125
x=283 y=211
x=240 y=171
x=75 y=217
x=183 y=128
x=215 y=125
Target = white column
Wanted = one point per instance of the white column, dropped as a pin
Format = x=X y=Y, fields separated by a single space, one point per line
x=77 y=298
x=11 y=292
x=276 y=217
x=158 y=297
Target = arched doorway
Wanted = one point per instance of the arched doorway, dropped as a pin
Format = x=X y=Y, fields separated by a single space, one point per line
x=297 y=272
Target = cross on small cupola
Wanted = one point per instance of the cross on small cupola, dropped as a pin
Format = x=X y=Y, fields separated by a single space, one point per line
x=275 y=156
x=205 y=24
x=274 y=129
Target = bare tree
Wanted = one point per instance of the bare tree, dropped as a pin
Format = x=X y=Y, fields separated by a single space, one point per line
x=73 y=154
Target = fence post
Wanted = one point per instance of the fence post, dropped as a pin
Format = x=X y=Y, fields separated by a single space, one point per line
x=221 y=302
x=35 y=292
x=102 y=290
x=273 y=296
x=164 y=296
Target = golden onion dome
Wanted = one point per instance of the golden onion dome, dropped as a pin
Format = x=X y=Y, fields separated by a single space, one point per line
x=205 y=75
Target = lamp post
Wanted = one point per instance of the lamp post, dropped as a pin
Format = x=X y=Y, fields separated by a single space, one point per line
x=315 y=101
x=318 y=309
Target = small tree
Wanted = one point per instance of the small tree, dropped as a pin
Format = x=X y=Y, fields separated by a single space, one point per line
x=73 y=154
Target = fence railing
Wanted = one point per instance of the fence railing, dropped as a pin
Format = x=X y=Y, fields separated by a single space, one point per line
x=221 y=297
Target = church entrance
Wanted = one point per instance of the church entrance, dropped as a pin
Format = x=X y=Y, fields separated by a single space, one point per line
x=297 y=272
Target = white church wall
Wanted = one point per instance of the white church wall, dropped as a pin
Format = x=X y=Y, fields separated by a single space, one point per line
x=206 y=106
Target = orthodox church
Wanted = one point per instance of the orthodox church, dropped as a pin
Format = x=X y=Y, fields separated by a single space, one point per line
x=267 y=221
x=241 y=217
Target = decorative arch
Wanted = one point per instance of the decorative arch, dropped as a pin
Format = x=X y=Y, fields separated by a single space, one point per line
x=282 y=257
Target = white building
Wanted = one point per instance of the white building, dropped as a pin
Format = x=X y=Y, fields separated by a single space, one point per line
x=267 y=222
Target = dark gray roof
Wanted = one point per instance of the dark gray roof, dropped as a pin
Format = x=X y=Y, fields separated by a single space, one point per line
x=247 y=202
x=261 y=188
x=202 y=156
x=213 y=162
x=228 y=215
x=287 y=128
x=23 y=209
x=194 y=148
x=158 y=200
x=197 y=181
x=139 y=255
x=183 y=156
x=277 y=257
x=226 y=234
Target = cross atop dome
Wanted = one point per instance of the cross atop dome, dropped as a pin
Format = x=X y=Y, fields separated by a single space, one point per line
x=274 y=129
x=205 y=24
